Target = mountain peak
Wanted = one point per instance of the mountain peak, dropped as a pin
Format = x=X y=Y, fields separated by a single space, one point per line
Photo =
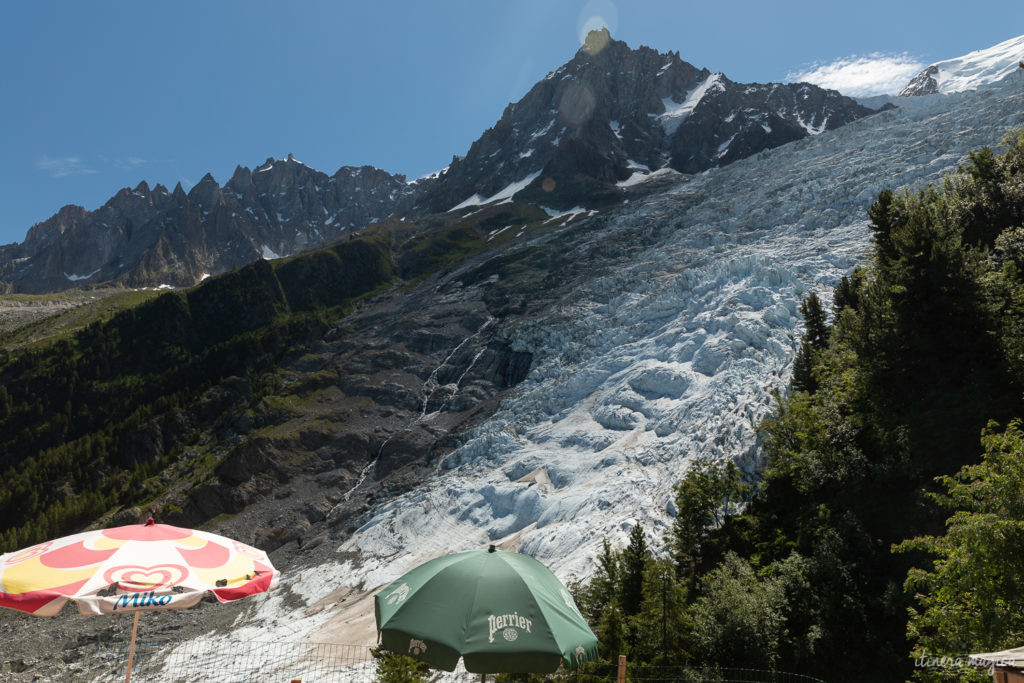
x=206 y=192
x=597 y=40
x=614 y=114
x=240 y=178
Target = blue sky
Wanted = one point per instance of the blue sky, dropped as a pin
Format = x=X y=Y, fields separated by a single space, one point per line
x=100 y=95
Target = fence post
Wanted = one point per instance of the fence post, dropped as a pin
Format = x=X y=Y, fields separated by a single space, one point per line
x=622 y=669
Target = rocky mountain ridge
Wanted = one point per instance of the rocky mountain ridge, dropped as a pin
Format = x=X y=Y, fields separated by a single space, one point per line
x=583 y=136
x=145 y=237
x=612 y=114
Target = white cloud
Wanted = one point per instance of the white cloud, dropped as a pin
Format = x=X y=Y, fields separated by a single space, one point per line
x=64 y=166
x=123 y=161
x=861 y=76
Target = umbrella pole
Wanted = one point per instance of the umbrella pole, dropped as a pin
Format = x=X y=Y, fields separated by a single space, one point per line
x=131 y=649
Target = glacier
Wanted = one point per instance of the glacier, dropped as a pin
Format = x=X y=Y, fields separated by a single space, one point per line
x=639 y=371
x=673 y=358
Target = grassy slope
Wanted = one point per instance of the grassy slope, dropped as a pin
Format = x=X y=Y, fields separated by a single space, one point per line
x=34 y=319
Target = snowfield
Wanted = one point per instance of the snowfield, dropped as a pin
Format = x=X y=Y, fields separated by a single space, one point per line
x=980 y=67
x=673 y=358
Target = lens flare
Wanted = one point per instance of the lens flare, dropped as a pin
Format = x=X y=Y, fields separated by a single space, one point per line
x=595 y=16
x=576 y=104
x=597 y=35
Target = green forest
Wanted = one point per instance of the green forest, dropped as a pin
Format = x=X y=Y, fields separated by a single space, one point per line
x=884 y=530
x=88 y=420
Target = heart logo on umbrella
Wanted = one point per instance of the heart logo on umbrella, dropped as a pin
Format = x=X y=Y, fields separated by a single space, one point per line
x=140 y=579
x=249 y=551
x=29 y=553
x=567 y=599
x=398 y=595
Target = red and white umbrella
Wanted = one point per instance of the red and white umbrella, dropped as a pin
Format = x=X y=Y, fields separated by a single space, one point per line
x=130 y=569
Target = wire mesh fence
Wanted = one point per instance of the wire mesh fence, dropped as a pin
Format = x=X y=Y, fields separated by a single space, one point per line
x=638 y=673
x=690 y=674
x=230 y=661
x=237 y=661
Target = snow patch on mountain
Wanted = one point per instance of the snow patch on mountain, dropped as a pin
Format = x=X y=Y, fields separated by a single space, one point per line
x=811 y=129
x=980 y=67
x=675 y=112
x=574 y=211
x=76 y=278
x=642 y=175
x=504 y=194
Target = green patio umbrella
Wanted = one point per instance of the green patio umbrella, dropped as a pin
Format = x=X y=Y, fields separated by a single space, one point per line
x=501 y=612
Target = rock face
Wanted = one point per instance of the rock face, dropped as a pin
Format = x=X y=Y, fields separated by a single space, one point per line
x=598 y=124
x=923 y=83
x=152 y=237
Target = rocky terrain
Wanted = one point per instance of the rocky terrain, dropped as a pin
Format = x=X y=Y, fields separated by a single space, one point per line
x=27 y=319
x=147 y=237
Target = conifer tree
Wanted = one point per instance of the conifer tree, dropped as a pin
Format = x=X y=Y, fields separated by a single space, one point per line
x=704 y=497
x=602 y=593
x=815 y=323
x=883 y=219
x=847 y=294
x=634 y=563
x=613 y=635
x=803 y=366
x=665 y=626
